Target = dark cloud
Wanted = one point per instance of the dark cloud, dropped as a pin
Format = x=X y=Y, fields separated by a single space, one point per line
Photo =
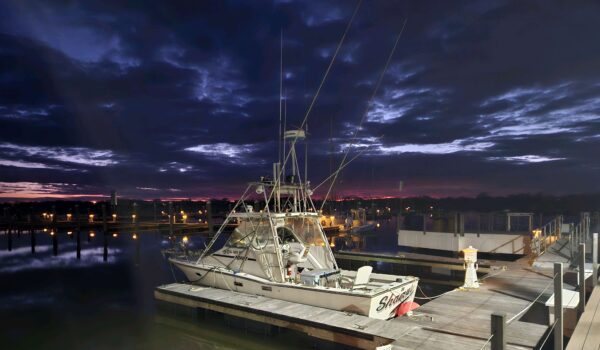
x=181 y=98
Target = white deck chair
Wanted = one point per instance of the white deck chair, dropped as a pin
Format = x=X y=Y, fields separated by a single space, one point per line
x=363 y=275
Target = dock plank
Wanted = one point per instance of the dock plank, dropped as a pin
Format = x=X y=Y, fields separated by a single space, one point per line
x=587 y=332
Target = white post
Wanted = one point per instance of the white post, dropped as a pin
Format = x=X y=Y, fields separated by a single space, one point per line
x=595 y=259
x=558 y=306
x=581 y=306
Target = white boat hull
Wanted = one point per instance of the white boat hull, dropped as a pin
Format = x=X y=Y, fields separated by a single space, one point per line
x=379 y=304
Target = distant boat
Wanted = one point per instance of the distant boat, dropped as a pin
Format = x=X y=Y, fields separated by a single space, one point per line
x=280 y=250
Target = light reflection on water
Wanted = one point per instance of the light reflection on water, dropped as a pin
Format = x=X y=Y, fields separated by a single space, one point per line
x=58 y=302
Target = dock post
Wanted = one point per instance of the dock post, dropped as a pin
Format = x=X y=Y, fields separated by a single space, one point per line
x=558 y=306
x=171 y=219
x=105 y=232
x=136 y=239
x=209 y=218
x=571 y=242
x=9 y=236
x=134 y=218
x=595 y=259
x=498 y=340
x=32 y=236
x=581 y=306
x=78 y=229
x=154 y=211
x=54 y=231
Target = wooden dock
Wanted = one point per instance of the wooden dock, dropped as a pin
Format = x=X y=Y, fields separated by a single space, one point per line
x=462 y=318
x=458 y=318
x=587 y=333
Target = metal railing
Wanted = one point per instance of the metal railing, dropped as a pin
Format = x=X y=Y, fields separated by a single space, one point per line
x=578 y=234
x=545 y=236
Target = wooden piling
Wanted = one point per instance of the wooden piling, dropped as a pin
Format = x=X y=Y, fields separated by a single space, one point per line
x=9 y=237
x=558 y=306
x=54 y=242
x=171 y=218
x=581 y=306
x=209 y=218
x=32 y=236
x=498 y=340
x=137 y=249
x=595 y=259
x=105 y=233
x=78 y=231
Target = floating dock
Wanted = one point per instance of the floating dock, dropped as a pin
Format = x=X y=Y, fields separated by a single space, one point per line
x=587 y=332
x=458 y=318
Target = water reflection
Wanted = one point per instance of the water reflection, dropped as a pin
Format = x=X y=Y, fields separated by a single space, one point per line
x=60 y=302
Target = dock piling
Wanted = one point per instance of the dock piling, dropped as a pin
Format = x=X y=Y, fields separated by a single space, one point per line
x=32 y=236
x=105 y=233
x=558 y=306
x=171 y=218
x=78 y=229
x=581 y=306
x=595 y=259
x=498 y=340
x=9 y=234
x=209 y=218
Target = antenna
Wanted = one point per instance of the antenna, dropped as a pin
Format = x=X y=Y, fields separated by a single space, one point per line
x=305 y=167
x=280 y=139
x=284 y=130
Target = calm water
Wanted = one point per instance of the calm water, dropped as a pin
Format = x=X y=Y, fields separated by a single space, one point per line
x=58 y=302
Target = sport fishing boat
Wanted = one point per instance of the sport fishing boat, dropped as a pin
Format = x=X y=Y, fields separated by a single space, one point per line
x=278 y=249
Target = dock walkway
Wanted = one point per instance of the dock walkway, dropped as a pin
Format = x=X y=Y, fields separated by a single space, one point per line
x=460 y=318
x=587 y=333
x=465 y=316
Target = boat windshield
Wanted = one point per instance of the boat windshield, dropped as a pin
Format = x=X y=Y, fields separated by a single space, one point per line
x=306 y=229
x=250 y=232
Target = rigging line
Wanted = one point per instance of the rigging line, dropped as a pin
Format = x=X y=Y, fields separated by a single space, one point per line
x=340 y=169
x=387 y=63
x=293 y=143
x=330 y=65
x=214 y=239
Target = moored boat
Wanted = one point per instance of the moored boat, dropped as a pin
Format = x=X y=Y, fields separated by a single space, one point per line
x=279 y=250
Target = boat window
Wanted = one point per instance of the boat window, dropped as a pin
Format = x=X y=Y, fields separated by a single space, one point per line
x=286 y=235
x=307 y=230
x=256 y=233
x=238 y=239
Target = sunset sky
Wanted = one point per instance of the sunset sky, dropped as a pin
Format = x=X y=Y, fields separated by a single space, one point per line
x=181 y=99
